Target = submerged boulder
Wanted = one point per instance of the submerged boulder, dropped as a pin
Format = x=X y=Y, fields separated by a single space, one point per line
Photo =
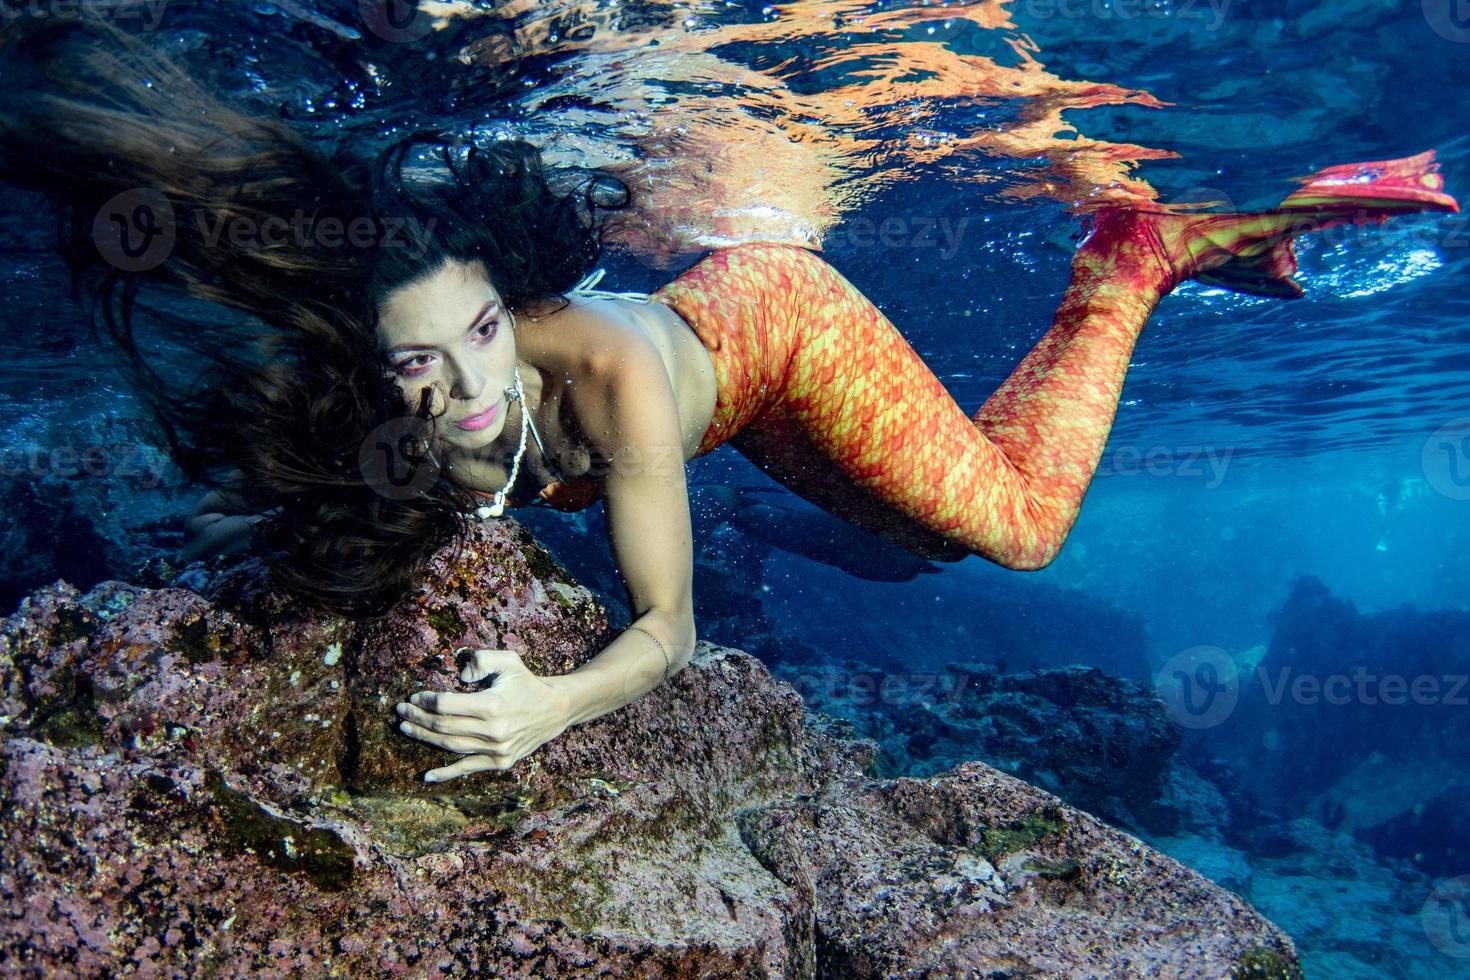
x=203 y=777
x=1357 y=719
x=1103 y=743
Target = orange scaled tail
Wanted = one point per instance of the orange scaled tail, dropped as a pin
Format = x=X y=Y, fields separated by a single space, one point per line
x=821 y=391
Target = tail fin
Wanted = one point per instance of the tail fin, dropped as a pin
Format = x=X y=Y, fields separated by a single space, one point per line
x=1382 y=189
x=1254 y=252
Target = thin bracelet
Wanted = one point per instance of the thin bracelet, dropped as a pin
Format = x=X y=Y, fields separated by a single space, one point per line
x=661 y=649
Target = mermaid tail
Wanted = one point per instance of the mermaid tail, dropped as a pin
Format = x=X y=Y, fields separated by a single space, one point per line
x=1254 y=252
x=1383 y=189
x=822 y=392
x=1268 y=274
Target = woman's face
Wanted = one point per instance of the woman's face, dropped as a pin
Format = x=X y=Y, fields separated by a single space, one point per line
x=448 y=331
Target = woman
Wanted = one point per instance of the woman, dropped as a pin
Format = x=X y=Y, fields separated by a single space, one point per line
x=467 y=341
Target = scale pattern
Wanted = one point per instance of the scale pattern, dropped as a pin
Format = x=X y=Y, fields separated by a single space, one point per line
x=823 y=393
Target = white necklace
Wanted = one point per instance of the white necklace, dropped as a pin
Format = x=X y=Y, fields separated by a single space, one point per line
x=515 y=393
x=496 y=507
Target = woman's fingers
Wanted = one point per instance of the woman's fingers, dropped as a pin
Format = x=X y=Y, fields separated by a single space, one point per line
x=484 y=662
x=218 y=534
x=452 y=743
x=473 y=724
x=449 y=724
x=449 y=703
x=465 y=766
x=212 y=534
x=199 y=521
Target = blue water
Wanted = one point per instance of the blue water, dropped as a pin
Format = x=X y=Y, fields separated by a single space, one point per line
x=1257 y=442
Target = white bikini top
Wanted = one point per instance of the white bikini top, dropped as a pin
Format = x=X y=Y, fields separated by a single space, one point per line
x=584 y=288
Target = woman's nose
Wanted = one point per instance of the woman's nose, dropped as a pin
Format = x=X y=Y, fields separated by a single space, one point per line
x=468 y=385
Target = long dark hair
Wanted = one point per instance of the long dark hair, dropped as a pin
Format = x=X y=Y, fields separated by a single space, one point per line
x=154 y=177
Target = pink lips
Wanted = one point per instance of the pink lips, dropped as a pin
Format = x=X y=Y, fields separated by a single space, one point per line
x=481 y=420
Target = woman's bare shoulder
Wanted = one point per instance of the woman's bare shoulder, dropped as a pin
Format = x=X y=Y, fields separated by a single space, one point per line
x=583 y=337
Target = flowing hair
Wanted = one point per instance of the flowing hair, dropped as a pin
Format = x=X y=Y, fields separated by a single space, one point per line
x=295 y=409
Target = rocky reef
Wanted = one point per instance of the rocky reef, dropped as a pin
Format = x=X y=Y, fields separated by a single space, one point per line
x=1103 y=743
x=87 y=498
x=202 y=777
x=1357 y=720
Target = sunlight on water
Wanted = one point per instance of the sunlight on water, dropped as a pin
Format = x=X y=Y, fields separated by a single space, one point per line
x=734 y=130
x=1394 y=271
x=991 y=124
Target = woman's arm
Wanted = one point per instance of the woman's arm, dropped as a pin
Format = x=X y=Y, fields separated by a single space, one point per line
x=219 y=525
x=628 y=410
x=625 y=405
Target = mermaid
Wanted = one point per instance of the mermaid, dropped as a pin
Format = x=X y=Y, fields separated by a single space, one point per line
x=456 y=360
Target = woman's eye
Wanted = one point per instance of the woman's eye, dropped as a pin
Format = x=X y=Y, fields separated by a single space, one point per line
x=487 y=329
x=408 y=364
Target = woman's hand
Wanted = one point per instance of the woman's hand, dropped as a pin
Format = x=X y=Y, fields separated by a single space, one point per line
x=219 y=525
x=217 y=534
x=494 y=728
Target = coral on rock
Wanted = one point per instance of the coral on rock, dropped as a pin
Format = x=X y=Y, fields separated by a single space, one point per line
x=201 y=776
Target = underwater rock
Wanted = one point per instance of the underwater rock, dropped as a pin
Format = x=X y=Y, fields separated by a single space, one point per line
x=1102 y=743
x=1358 y=720
x=206 y=779
x=1360 y=915
x=1222 y=864
x=1200 y=798
x=86 y=499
